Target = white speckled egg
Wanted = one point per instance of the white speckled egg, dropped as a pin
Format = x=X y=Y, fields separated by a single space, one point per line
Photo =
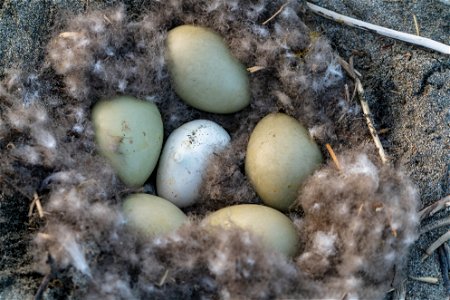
x=184 y=158
x=280 y=155
x=275 y=229
x=152 y=215
x=129 y=133
x=204 y=72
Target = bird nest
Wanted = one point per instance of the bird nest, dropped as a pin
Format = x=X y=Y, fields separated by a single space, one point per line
x=355 y=216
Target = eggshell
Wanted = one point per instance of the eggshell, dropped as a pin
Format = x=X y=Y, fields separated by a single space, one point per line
x=204 y=72
x=129 y=133
x=280 y=155
x=184 y=159
x=152 y=215
x=274 y=228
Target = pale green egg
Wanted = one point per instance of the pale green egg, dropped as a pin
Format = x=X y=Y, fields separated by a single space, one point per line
x=280 y=155
x=129 y=133
x=204 y=72
x=152 y=215
x=275 y=229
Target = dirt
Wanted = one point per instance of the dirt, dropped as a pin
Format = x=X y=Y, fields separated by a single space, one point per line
x=408 y=89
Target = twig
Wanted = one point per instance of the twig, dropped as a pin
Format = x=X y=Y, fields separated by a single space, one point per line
x=364 y=105
x=444 y=263
x=447 y=253
x=437 y=224
x=416 y=24
x=432 y=280
x=441 y=240
x=276 y=13
x=36 y=202
x=163 y=278
x=406 y=37
x=255 y=69
x=434 y=208
x=70 y=35
x=333 y=156
x=367 y=114
x=349 y=69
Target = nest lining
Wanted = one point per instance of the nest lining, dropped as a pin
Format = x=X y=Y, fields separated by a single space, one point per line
x=355 y=223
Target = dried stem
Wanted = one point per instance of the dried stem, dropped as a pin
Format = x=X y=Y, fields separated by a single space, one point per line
x=441 y=240
x=434 y=208
x=276 y=13
x=333 y=156
x=437 y=224
x=432 y=280
x=367 y=113
x=406 y=37
x=445 y=267
x=255 y=69
x=416 y=24
x=365 y=107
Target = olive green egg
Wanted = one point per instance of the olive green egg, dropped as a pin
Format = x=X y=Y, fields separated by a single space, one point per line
x=129 y=133
x=280 y=155
x=204 y=72
x=152 y=215
x=275 y=229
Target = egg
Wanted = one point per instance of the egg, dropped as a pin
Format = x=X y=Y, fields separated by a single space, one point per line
x=204 y=72
x=152 y=215
x=274 y=228
x=184 y=159
x=129 y=133
x=280 y=156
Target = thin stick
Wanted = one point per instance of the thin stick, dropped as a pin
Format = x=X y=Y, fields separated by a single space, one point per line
x=442 y=239
x=31 y=209
x=163 y=278
x=70 y=34
x=333 y=156
x=255 y=69
x=432 y=280
x=430 y=210
x=367 y=114
x=406 y=37
x=416 y=24
x=346 y=66
x=437 y=224
x=38 y=205
x=444 y=264
x=276 y=13
x=365 y=107
x=36 y=202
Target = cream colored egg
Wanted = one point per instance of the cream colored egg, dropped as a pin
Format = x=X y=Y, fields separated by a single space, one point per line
x=204 y=72
x=274 y=228
x=152 y=215
x=129 y=133
x=280 y=155
x=184 y=159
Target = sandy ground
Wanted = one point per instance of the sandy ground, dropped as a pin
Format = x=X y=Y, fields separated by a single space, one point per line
x=408 y=89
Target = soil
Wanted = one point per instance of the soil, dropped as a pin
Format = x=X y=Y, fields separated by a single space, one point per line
x=408 y=89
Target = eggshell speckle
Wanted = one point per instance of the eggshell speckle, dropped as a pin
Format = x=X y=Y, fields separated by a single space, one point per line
x=152 y=215
x=280 y=155
x=204 y=72
x=275 y=229
x=129 y=133
x=184 y=159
